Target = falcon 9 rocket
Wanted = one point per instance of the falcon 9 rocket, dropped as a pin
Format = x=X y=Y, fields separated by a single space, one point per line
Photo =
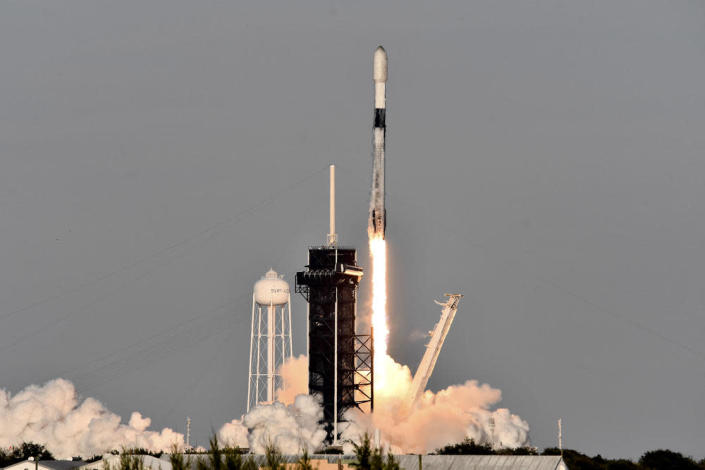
x=378 y=214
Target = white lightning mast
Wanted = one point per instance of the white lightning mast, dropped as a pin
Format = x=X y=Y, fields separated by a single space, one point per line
x=433 y=348
x=332 y=236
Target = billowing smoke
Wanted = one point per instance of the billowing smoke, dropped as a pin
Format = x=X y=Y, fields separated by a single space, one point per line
x=51 y=415
x=291 y=423
x=290 y=428
x=294 y=373
x=435 y=420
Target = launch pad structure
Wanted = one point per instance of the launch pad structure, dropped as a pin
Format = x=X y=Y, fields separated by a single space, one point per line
x=340 y=361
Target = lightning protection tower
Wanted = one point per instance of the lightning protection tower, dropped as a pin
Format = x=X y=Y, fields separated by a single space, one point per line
x=270 y=338
x=340 y=361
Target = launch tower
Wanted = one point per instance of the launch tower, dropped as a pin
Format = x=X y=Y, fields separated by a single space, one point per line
x=339 y=360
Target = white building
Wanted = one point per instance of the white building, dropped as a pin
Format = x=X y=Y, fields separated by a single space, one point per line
x=149 y=461
x=44 y=465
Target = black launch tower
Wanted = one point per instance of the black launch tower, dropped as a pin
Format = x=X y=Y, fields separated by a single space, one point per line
x=340 y=361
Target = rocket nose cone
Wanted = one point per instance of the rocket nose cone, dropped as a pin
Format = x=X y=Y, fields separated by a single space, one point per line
x=379 y=73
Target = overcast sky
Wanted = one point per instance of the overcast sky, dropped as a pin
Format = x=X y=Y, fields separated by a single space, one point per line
x=545 y=158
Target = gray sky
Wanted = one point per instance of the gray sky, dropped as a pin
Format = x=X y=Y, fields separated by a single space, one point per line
x=545 y=158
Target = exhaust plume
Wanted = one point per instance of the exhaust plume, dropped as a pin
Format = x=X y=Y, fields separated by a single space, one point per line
x=437 y=419
x=378 y=252
x=51 y=415
x=290 y=428
x=291 y=423
x=294 y=373
x=434 y=420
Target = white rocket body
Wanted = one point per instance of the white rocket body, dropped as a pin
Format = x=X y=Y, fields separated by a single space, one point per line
x=378 y=215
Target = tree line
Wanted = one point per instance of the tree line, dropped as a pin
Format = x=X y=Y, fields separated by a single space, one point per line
x=366 y=457
x=574 y=460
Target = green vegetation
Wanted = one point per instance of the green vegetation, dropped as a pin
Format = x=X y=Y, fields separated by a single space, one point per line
x=249 y=464
x=372 y=458
x=668 y=460
x=178 y=460
x=23 y=452
x=470 y=447
x=304 y=462
x=652 y=460
x=216 y=458
x=139 y=451
x=367 y=457
x=128 y=461
x=273 y=457
x=233 y=458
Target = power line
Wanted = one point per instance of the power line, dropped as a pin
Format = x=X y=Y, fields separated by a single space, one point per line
x=629 y=321
x=233 y=219
x=138 y=347
x=633 y=323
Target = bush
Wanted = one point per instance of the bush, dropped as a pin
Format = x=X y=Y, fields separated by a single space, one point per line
x=249 y=464
x=667 y=460
x=23 y=452
x=273 y=457
x=369 y=458
x=215 y=456
x=233 y=458
x=128 y=461
x=467 y=447
x=177 y=459
x=304 y=462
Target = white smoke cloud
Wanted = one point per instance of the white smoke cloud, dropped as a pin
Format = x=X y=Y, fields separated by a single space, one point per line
x=290 y=428
x=234 y=434
x=51 y=415
x=435 y=420
x=294 y=373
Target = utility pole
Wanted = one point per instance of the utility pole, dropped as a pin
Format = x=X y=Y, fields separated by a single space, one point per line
x=188 y=434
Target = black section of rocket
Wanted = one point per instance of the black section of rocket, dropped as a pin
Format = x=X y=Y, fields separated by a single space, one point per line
x=378 y=214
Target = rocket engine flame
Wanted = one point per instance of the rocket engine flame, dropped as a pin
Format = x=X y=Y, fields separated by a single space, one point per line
x=378 y=252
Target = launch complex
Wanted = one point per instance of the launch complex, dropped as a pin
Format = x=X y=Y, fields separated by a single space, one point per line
x=345 y=364
x=341 y=361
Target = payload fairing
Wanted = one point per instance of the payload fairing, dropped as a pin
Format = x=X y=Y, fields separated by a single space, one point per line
x=378 y=214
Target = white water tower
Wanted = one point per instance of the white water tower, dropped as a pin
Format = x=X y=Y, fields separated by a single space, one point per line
x=270 y=338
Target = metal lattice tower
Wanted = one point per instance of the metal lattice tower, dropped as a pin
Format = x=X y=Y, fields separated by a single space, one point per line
x=340 y=361
x=270 y=338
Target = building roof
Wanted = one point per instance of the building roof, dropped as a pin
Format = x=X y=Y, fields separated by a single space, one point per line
x=46 y=464
x=60 y=464
x=149 y=461
x=482 y=462
x=406 y=462
x=449 y=462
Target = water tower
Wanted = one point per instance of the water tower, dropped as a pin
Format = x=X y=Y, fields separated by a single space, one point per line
x=270 y=338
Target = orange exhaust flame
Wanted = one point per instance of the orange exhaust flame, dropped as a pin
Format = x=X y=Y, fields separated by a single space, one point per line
x=378 y=251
